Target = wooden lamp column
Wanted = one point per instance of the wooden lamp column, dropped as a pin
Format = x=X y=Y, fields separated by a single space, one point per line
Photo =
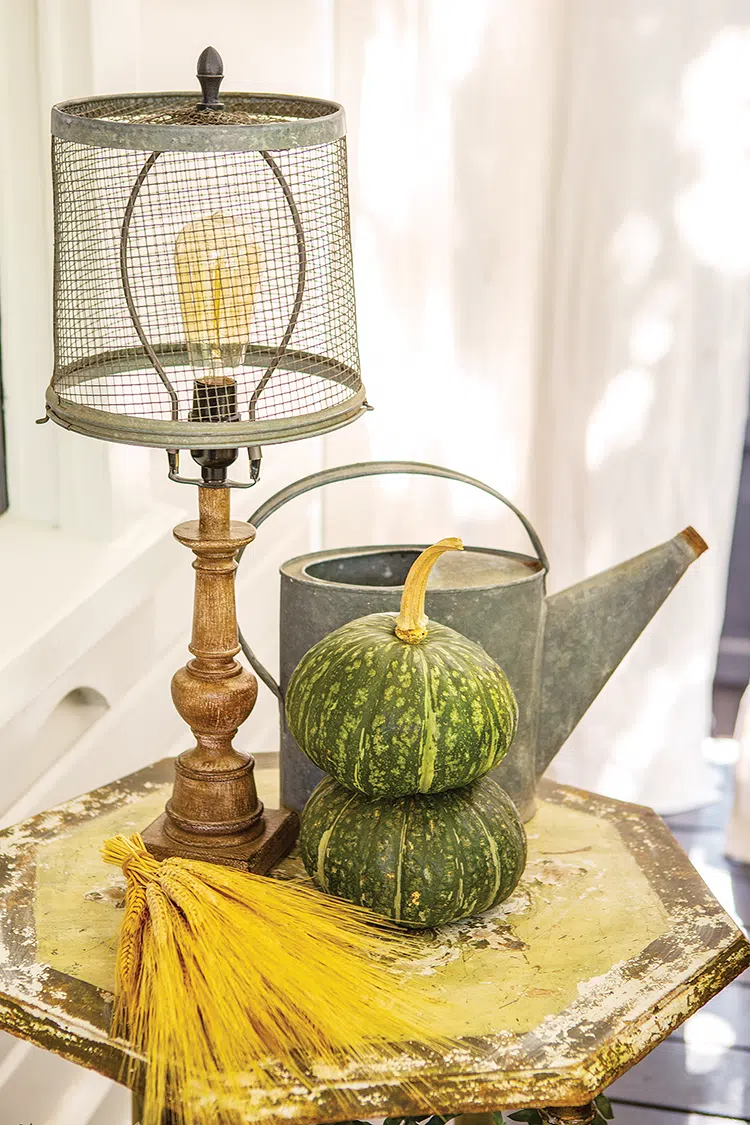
x=214 y=813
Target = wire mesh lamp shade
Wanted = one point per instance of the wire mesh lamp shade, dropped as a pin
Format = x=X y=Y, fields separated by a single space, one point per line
x=203 y=287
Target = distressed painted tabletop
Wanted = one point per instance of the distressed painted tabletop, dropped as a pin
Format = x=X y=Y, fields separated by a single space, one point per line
x=609 y=942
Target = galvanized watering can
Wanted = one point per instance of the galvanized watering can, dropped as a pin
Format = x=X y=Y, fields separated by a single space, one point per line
x=557 y=652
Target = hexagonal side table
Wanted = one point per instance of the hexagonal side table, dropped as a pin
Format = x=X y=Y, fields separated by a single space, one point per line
x=610 y=941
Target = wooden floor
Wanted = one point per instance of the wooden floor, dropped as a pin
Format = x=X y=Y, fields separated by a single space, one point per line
x=701 y=1074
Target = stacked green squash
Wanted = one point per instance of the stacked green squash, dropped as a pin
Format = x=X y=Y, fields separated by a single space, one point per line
x=420 y=860
x=407 y=716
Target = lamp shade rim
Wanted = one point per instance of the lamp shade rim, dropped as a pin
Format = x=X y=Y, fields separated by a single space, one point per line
x=162 y=434
x=294 y=121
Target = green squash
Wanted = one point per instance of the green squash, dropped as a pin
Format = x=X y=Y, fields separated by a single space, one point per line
x=392 y=705
x=423 y=860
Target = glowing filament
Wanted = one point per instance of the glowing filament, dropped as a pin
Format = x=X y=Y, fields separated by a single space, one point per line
x=218 y=270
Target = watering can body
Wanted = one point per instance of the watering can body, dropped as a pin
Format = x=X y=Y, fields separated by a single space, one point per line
x=557 y=652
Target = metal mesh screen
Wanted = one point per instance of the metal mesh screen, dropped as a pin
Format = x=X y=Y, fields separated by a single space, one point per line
x=180 y=109
x=230 y=267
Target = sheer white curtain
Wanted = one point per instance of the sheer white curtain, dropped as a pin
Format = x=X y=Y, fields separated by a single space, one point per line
x=643 y=384
x=552 y=236
x=448 y=108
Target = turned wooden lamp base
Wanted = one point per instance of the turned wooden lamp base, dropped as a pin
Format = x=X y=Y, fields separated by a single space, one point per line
x=258 y=855
x=214 y=813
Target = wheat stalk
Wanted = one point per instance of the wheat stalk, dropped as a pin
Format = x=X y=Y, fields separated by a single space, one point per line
x=228 y=981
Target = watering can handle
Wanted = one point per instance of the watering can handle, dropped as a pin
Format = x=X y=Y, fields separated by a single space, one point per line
x=354 y=472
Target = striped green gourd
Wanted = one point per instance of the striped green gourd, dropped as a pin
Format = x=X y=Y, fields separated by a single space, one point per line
x=395 y=704
x=422 y=860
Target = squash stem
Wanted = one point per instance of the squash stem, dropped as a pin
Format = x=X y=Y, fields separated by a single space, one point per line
x=411 y=623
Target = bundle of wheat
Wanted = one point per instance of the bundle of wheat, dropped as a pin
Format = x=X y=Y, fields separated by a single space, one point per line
x=224 y=977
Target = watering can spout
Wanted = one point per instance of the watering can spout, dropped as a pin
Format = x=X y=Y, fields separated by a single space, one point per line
x=589 y=628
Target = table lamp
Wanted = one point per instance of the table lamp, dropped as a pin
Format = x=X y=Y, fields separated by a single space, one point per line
x=204 y=301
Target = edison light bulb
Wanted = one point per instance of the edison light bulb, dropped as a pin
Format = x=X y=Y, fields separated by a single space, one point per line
x=218 y=269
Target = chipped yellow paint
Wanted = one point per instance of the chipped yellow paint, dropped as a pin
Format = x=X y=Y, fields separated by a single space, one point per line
x=76 y=932
x=610 y=941
x=520 y=962
x=528 y=958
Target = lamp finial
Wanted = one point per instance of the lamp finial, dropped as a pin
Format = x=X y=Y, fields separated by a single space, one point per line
x=210 y=72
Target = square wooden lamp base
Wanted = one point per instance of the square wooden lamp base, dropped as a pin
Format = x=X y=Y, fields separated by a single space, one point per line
x=257 y=853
